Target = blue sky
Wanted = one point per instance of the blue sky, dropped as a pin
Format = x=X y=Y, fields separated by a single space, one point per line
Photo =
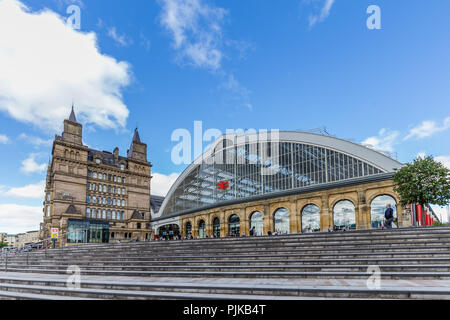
x=161 y=65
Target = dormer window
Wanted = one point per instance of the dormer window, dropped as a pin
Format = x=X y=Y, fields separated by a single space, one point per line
x=97 y=161
x=122 y=166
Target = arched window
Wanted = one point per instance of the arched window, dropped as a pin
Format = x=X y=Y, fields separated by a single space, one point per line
x=311 y=218
x=108 y=214
x=234 y=225
x=202 y=229
x=104 y=214
x=216 y=228
x=256 y=221
x=114 y=214
x=378 y=207
x=188 y=229
x=88 y=212
x=122 y=215
x=281 y=221
x=123 y=203
x=94 y=175
x=344 y=215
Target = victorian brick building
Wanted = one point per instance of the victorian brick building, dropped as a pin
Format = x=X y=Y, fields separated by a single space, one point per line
x=95 y=196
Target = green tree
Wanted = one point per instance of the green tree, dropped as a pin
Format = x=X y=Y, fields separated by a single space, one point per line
x=3 y=244
x=425 y=181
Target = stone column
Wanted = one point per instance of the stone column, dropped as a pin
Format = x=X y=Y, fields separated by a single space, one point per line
x=223 y=225
x=326 y=215
x=208 y=222
x=244 y=221
x=362 y=211
x=267 y=219
x=294 y=217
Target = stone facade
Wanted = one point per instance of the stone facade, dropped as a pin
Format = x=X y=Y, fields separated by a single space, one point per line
x=87 y=184
x=360 y=195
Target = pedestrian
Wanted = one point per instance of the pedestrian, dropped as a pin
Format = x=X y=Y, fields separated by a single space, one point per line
x=389 y=216
x=329 y=229
x=252 y=231
x=269 y=233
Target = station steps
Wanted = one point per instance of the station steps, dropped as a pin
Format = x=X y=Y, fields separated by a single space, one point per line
x=409 y=254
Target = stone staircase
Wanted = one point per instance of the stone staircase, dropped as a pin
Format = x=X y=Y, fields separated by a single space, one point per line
x=414 y=264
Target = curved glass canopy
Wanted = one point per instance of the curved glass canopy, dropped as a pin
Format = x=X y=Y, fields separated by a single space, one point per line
x=241 y=171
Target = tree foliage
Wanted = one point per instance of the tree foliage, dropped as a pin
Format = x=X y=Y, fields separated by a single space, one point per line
x=425 y=181
x=3 y=244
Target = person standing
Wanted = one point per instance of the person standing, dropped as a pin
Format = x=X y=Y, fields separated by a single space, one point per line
x=389 y=216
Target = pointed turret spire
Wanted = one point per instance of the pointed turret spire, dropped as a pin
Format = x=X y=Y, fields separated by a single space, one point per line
x=136 y=137
x=72 y=115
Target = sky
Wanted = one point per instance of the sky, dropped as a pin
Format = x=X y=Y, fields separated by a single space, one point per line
x=160 y=65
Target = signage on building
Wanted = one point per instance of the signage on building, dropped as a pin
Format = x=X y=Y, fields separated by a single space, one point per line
x=55 y=232
x=223 y=185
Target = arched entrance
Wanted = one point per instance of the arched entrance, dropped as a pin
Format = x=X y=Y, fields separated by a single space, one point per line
x=344 y=215
x=188 y=229
x=256 y=221
x=378 y=207
x=234 y=226
x=216 y=228
x=311 y=218
x=202 y=229
x=281 y=221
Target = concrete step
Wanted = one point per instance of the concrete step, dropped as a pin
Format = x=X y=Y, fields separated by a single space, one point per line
x=111 y=289
x=211 y=251
x=335 y=256
x=242 y=274
x=242 y=262
x=248 y=268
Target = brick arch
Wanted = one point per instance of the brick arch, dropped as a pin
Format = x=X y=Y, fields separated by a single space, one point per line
x=347 y=197
x=227 y=219
x=308 y=203
x=213 y=216
x=383 y=193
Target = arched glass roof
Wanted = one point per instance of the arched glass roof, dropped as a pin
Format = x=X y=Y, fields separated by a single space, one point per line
x=237 y=167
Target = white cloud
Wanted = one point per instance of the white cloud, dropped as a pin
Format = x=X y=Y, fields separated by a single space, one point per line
x=196 y=28
x=36 y=141
x=17 y=218
x=45 y=64
x=161 y=183
x=445 y=160
x=384 y=141
x=30 y=165
x=121 y=40
x=324 y=13
x=4 y=139
x=31 y=191
x=428 y=128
